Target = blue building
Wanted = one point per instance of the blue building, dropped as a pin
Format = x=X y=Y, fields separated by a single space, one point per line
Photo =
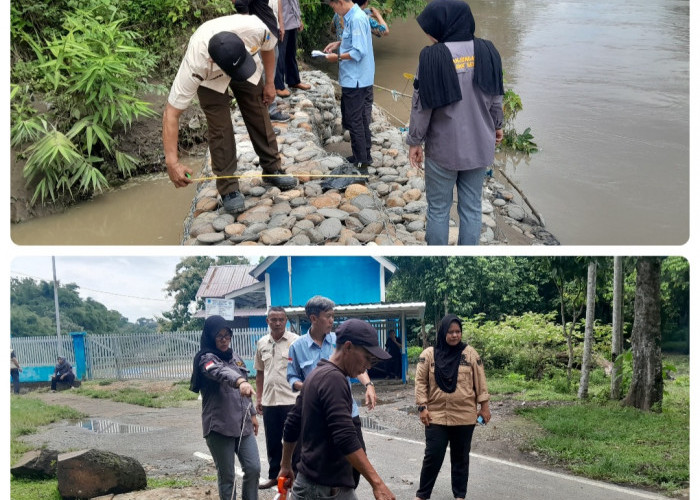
x=356 y=284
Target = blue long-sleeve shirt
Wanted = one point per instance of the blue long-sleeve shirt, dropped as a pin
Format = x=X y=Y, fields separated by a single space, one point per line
x=304 y=355
x=358 y=71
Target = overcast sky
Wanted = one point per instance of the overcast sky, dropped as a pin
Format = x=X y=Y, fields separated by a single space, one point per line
x=134 y=286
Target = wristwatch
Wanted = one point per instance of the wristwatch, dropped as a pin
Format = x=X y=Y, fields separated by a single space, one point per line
x=369 y=383
x=421 y=408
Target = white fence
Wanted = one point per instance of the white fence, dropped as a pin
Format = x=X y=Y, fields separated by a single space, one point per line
x=132 y=356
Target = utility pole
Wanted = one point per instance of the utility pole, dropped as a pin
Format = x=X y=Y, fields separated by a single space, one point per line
x=58 y=314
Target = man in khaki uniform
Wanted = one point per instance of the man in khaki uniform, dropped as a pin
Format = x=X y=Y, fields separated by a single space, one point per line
x=225 y=53
x=275 y=398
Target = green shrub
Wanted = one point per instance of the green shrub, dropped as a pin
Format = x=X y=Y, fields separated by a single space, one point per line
x=413 y=353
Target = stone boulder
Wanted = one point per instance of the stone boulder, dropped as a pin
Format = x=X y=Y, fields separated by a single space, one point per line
x=92 y=473
x=36 y=464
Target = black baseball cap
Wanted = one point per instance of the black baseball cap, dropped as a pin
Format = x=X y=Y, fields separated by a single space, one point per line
x=228 y=51
x=360 y=333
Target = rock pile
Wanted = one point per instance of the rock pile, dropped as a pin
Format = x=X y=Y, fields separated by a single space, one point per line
x=386 y=208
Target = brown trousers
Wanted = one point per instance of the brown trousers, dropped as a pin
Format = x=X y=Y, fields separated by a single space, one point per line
x=222 y=143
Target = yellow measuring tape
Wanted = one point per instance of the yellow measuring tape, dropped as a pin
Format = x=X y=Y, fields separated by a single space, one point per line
x=213 y=178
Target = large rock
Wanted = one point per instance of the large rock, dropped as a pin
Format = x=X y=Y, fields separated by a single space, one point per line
x=92 y=473
x=36 y=464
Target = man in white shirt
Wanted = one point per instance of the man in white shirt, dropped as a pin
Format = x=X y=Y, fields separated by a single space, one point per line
x=227 y=52
x=274 y=395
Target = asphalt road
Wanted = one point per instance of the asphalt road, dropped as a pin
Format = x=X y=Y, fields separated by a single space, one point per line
x=169 y=442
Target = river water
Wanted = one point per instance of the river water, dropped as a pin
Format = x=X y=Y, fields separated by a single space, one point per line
x=605 y=89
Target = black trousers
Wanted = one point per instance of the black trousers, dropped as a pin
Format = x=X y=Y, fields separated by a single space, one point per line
x=356 y=112
x=68 y=380
x=273 y=420
x=14 y=375
x=287 y=68
x=436 y=439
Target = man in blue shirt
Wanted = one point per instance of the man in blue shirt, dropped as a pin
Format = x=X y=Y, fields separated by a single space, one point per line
x=320 y=343
x=356 y=77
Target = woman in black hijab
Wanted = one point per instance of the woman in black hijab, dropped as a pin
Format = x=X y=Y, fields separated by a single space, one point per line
x=229 y=423
x=457 y=111
x=451 y=395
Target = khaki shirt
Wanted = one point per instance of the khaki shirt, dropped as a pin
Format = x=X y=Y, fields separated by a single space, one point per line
x=271 y=358
x=197 y=68
x=459 y=407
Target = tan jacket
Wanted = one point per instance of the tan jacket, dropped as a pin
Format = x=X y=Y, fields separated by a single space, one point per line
x=459 y=407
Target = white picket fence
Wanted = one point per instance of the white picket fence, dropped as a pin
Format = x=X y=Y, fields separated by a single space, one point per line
x=132 y=356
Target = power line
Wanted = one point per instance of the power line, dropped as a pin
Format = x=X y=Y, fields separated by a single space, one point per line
x=91 y=289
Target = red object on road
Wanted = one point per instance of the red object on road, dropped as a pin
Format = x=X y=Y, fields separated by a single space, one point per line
x=281 y=490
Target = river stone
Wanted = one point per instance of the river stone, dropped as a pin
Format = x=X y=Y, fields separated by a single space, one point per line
x=36 y=464
x=395 y=201
x=302 y=211
x=498 y=202
x=201 y=227
x=506 y=195
x=416 y=206
x=312 y=189
x=331 y=162
x=257 y=191
x=486 y=207
x=275 y=236
x=316 y=218
x=364 y=201
x=304 y=225
x=255 y=228
x=244 y=238
x=417 y=225
x=234 y=229
x=453 y=236
x=385 y=239
x=354 y=223
x=206 y=204
x=307 y=155
x=328 y=200
x=330 y=228
x=336 y=213
x=253 y=217
x=354 y=190
x=488 y=221
x=299 y=239
x=347 y=237
x=282 y=208
x=211 y=238
x=412 y=195
x=315 y=236
x=288 y=195
x=373 y=228
x=515 y=212
x=487 y=236
x=368 y=215
x=417 y=183
x=222 y=221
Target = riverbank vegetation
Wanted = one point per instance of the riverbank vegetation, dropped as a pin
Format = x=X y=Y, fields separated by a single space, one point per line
x=81 y=71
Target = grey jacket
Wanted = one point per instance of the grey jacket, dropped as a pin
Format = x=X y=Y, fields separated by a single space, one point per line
x=223 y=408
x=461 y=135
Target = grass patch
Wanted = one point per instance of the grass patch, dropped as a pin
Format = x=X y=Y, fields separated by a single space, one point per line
x=27 y=414
x=160 y=482
x=603 y=440
x=24 y=489
x=150 y=395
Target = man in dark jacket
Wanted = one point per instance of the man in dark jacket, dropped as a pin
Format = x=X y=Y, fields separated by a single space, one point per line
x=62 y=373
x=321 y=417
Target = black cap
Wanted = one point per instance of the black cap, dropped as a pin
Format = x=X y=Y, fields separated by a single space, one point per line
x=360 y=333
x=228 y=51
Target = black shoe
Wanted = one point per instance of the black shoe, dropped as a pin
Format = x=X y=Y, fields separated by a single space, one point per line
x=351 y=159
x=284 y=182
x=233 y=202
x=279 y=117
x=267 y=484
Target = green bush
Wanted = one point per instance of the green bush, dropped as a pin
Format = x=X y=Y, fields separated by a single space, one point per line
x=413 y=353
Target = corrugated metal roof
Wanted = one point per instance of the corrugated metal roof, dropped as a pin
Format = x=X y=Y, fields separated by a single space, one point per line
x=221 y=280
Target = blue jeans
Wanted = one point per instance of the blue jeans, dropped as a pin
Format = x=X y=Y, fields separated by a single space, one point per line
x=439 y=184
x=223 y=451
x=304 y=489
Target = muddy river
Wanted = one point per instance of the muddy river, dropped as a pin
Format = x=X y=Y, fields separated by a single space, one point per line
x=605 y=89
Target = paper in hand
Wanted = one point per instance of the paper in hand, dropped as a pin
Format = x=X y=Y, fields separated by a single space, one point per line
x=317 y=53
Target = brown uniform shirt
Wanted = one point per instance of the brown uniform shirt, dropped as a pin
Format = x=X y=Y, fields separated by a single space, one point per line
x=459 y=407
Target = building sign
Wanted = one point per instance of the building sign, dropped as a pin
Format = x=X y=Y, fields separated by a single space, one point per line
x=220 y=307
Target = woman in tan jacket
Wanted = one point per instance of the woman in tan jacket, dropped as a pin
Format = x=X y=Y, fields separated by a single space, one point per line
x=451 y=394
